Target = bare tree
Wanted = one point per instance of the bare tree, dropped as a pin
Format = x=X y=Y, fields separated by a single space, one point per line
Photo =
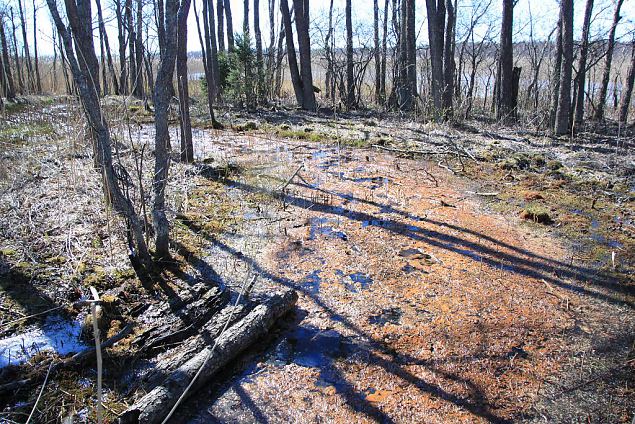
x=580 y=78
x=350 y=81
x=599 y=112
x=187 y=149
x=7 y=77
x=436 y=25
x=230 y=26
x=25 y=45
x=627 y=92
x=384 y=52
x=563 y=112
x=505 y=102
x=377 y=52
x=260 y=65
x=448 y=58
x=301 y=8
x=79 y=15
x=162 y=97
x=220 y=21
x=38 y=80
x=293 y=64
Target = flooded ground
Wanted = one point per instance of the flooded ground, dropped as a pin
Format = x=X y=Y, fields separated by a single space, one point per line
x=421 y=300
x=415 y=305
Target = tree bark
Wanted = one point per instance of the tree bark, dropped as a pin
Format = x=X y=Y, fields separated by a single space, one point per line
x=230 y=26
x=162 y=95
x=384 y=52
x=139 y=91
x=249 y=80
x=555 y=89
x=6 y=63
x=436 y=25
x=27 y=53
x=187 y=148
x=38 y=80
x=156 y=405
x=580 y=78
x=293 y=64
x=209 y=67
x=121 y=37
x=505 y=109
x=350 y=82
x=220 y=20
x=627 y=93
x=260 y=65
x=606 y=76
x=301 y=8
x=563 y=113
x=448 y=60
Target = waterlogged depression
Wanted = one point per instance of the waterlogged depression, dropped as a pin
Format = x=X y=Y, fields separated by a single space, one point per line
x=55 y=335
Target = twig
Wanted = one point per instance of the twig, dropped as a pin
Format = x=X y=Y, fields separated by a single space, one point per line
x=285 y=185
x=40 y=395
x=487 y=194
x=74 y=305
x=93 y=310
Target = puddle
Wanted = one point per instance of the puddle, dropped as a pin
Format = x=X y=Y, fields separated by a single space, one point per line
x=356 y=281
x=387 y=316
x=324 y=226
x=310 y=347
x=57 y=334
x=312 y=282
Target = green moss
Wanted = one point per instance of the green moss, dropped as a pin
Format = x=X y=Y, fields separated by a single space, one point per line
x=21 y=133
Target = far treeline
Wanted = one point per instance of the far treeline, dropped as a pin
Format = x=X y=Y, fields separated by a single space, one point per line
x=471 y=67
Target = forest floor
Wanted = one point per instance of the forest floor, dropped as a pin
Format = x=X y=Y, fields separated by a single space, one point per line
x=472 y=273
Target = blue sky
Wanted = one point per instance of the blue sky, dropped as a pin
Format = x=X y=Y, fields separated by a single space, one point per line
x=544 y=13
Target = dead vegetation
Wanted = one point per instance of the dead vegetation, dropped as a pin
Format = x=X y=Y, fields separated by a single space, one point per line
x=423 y=294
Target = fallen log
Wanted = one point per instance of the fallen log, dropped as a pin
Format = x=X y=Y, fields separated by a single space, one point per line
x=178 y=319
x=155 y=406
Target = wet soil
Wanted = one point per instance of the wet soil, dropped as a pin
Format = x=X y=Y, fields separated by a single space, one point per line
x=417 y=304
x=420 y=299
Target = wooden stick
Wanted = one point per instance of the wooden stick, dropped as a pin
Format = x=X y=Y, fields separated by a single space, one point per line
x=93 y=310
x=40 y=395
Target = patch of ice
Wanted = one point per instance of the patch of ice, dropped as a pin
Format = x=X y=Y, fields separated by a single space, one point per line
x=57 y=334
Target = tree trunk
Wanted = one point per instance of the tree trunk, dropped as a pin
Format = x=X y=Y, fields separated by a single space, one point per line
x=27 y=53
x=436 y=25
x=121 y=37
x=102 y=146
x=505 y=109
x=18 y=67
x=162 y=95
x=6 y=63
x=214 y=49
x=448 y=60
x=350 y=83
x=606 y=76
x=328 y=52
x=301 y=8
x=271 y=49
x=293 y=64
x=627 y=92
x=220 y=20
x=563 y=113
x=132 y=61
x=155 y=406
x=38 y=80
x=260 y=65
x=377 y=53
x=555 y=89
x=230 y=26
x=580 y=78
x=249 y=76
x=384 y=52
x=187 y=149
x=139 y=87
x=209 y=68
